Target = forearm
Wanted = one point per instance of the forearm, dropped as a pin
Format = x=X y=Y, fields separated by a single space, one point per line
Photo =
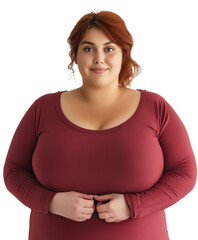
x=171 y=187
x=53 y=205
x=25 y=187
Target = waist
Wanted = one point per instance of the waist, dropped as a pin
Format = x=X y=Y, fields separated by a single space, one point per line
x=50 y=227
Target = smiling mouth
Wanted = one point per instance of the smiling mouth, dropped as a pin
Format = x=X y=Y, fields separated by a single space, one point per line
x=99 y=70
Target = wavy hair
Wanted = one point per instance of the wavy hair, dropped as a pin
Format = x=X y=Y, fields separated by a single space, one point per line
x=115 y=29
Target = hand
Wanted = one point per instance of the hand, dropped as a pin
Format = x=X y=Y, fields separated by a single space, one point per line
x=116 y=210
x=73 y=205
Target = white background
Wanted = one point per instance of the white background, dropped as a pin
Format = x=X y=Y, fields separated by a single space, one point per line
x=34 y=59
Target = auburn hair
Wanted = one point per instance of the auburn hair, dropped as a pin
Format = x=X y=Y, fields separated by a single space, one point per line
x=115 y=29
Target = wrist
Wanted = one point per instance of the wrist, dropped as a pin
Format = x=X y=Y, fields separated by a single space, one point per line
x=54 y=204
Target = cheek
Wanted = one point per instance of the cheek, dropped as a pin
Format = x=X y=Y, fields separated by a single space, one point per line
x=115 y=61
x=84 y=61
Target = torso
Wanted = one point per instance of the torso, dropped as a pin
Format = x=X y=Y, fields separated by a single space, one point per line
x=84 y=116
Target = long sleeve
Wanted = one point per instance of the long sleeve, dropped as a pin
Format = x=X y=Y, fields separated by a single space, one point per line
x=19 y=177
x=148 y=158
x=180 y=170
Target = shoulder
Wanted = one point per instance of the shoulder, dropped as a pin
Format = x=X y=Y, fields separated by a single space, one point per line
x=156 y=101
x=44 y=101
x=153 y=96
x=46 y=97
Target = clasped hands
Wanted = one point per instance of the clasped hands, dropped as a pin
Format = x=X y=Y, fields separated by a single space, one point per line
x=78 y=207
x=115 y=210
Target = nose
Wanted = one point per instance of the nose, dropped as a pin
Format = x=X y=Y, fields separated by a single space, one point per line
x=98 y=58
x=98 y=61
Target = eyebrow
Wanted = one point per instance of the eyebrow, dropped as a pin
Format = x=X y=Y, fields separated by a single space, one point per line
x=91 y=43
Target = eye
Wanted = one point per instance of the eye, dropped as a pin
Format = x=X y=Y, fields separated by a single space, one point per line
x=88 y=49
x=109 y=49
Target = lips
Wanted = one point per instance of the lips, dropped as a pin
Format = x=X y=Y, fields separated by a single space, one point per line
x=99 y=70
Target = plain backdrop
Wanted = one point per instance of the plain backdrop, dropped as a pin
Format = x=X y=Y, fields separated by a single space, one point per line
x=34 y=59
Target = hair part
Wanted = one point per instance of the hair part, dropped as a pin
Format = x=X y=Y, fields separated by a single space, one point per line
x=115 y=29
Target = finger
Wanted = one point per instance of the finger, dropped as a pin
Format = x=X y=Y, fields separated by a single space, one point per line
x=110 y=220
x=101 y=207
x=84 y=195
x=101 y=211
x=84 y=217
x=87 y=211
x=88 y=203
x=103 y=197
x=99 y=204
x=104 y=215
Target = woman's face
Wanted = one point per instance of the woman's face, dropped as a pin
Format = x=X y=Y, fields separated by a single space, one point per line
x=99 y=60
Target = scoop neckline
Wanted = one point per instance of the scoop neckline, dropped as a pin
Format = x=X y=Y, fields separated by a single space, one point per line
x=92 y=131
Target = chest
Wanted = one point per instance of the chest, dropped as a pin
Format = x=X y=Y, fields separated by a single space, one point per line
x=129 y=160
x=100 y=118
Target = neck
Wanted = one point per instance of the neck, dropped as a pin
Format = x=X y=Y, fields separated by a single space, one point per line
x=100 y=97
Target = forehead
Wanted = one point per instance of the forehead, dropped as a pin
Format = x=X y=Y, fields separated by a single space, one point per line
x=95 y=35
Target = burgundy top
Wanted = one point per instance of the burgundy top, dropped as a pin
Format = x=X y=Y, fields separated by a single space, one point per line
x=148 y=158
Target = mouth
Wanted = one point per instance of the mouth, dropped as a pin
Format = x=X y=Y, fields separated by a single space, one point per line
x=98 y=70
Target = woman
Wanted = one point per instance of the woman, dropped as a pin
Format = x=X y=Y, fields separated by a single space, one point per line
x=102 y=161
